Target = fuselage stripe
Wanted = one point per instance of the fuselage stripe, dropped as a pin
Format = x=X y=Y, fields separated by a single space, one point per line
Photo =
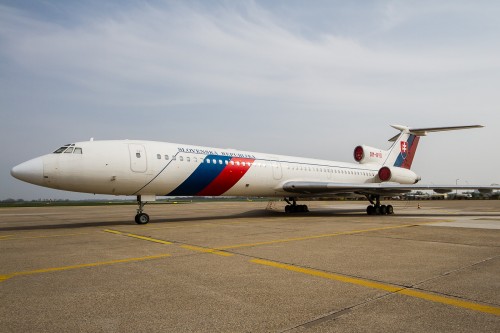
x=202 y=176
x=229 y=176
x=215 y=176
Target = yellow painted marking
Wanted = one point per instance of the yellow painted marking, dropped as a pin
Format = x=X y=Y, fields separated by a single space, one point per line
x=13 y=237
x=138 y=236
x=5 y=236
x=313 y=237
x=451 y=301
x=148 y=239
x=65 y=268
x=381 y=286
x=206 y=250
x=114 y=231
x=4 y=277
x=330 y=276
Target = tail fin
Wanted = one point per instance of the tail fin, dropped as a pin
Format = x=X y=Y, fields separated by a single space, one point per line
x=405 y=144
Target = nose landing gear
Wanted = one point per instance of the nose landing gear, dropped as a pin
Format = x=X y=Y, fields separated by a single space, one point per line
x=140 y=217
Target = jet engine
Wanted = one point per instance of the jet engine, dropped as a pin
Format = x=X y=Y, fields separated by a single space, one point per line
x=366 y=154
x=398 y=175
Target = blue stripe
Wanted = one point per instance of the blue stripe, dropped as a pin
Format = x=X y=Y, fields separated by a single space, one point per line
x=401 y=159
x=204 y=174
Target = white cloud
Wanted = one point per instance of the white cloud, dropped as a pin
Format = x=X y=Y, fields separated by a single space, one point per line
x=250 y=66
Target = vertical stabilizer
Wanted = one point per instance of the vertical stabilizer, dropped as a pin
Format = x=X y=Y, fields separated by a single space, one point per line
x=405 y=144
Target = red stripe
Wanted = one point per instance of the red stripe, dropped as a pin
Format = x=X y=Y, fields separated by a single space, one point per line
x=230 y=175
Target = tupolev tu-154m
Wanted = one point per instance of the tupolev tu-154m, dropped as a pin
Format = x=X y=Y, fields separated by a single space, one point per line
x=147 y=169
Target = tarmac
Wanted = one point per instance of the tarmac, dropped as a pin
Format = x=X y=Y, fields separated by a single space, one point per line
x=249 y=267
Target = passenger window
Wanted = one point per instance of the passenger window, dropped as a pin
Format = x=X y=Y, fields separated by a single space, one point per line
x=208 y=160
x=174 y=158
x=232 y=162
x=215 y=161
x=158 y=156
x=138 y=155
x=77 y=151
x=166 y=157
x=195 y=159
x=220 y=161
x=226 y=162
x=181 y=158
x=188 y=159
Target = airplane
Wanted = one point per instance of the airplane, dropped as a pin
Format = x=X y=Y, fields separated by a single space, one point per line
x=147 y=169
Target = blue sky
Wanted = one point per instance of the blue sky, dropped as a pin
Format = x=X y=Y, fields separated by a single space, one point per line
x=306 y=78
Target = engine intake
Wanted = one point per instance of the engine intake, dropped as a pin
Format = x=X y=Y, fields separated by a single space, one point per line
x=366 y=154
x=398 y=175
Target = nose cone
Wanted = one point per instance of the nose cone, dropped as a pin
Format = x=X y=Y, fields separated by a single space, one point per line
x=30 y=171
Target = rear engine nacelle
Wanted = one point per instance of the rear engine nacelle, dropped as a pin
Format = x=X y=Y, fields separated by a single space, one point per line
x=366 y=154
x=398 y=175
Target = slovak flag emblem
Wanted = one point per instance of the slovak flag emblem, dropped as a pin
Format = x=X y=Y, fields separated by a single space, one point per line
x=404 y=148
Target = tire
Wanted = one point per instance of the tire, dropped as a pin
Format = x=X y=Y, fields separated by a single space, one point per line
x=390 y=210
x=142 y=218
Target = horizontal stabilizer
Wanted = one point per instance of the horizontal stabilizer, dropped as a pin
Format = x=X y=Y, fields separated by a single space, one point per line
x=424 y=131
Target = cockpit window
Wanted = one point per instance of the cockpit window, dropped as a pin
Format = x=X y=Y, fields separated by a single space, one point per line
x=68 y=149
x=60 y=150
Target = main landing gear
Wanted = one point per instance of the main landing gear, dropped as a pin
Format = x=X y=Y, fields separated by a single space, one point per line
x=141 y=218
x=292 y=207
x=376 y=208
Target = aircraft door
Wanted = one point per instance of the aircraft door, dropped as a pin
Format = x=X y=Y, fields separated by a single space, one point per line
x=138 y=158
x=277 y=173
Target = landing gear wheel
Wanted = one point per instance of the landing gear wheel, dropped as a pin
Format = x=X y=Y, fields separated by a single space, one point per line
x=142 y=218
x=376 y=208
x=292 y=206
x=296 y=209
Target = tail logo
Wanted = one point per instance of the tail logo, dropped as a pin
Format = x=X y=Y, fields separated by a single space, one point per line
x=404 y=149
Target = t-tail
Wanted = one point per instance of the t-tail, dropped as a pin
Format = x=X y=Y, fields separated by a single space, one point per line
x=401 y=154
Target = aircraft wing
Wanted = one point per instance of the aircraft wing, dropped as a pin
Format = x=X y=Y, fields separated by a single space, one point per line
x=330 y=188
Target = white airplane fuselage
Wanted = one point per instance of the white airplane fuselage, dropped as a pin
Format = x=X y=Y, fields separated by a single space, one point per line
x=147 y=169
x=126 y=167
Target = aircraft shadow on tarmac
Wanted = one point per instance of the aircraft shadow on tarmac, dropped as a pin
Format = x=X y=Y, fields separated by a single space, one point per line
x=252 y=214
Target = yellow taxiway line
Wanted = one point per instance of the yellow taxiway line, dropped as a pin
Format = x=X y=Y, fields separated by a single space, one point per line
x=351 y=232
x=154 y=240
x=382 y=286
x=206 y=250
x=94 y=264
x=185 y=246
x=14 y=237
